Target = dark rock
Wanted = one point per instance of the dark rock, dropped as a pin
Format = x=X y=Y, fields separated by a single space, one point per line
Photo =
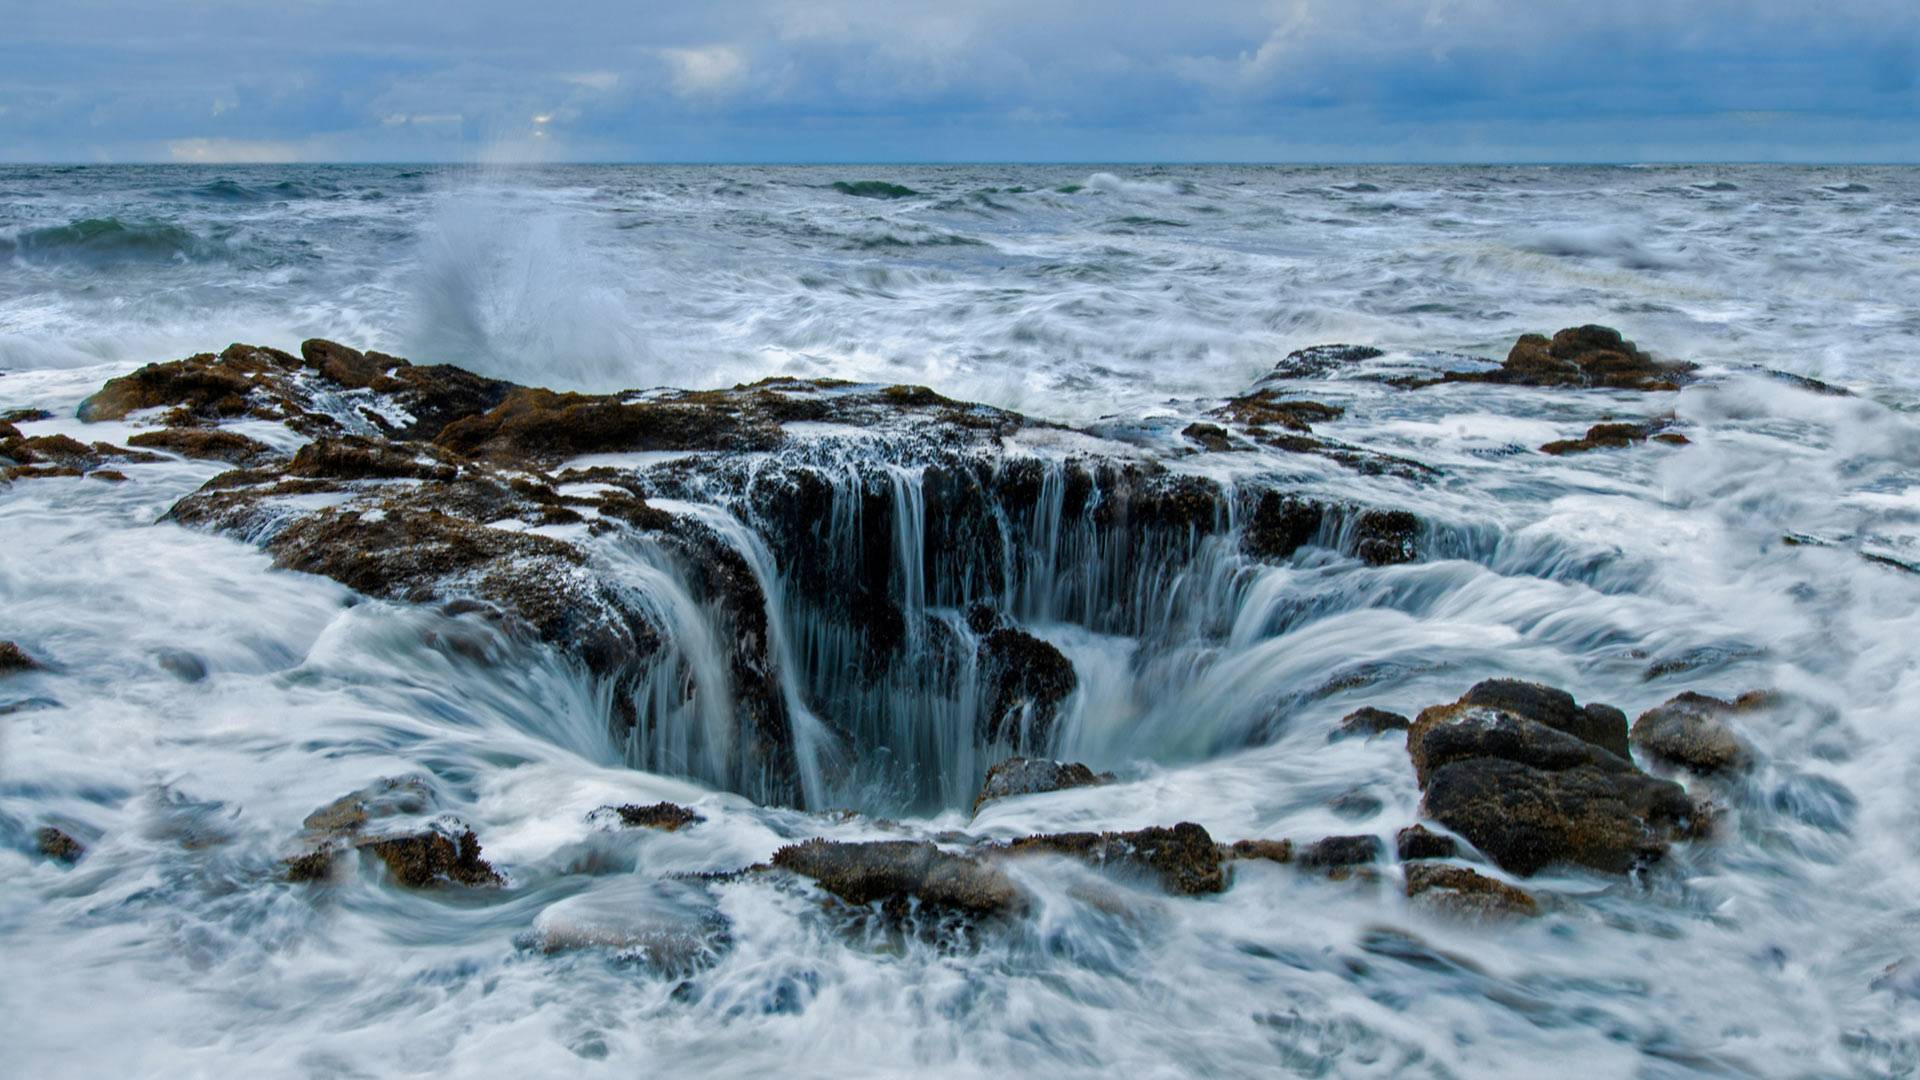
x=1210 y=436
x=1691 y=732
x=1281 y=525
x=1418 y=842
x=1032 y=776
x=1183 y=858
x=1601 y=725
x=57 y=845
x=182 y=665
x=1280 y=851
x=310 y=866
x=544 y=427
x=348 y=367
x=202 y=387
x=665 y=816
x=209 y=443
x=1579 y=356
x=1338 y=854
x=23 y=416
x=1272 y=408
x=428 y=858
x=13 y=658
x=1456 y=732
x=896 y=873
x=387 y=797
x=1354 y=805
x=1616 y=436
x=1386 y=537
x=1024 y=681
x=1526 y=818
x=1366 y=722
x=1317 y=361
x=1458 y=891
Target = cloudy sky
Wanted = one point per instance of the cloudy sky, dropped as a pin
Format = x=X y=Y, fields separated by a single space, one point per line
x=892 y=80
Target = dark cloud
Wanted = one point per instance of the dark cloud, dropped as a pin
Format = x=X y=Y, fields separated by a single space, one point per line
x=892 y=79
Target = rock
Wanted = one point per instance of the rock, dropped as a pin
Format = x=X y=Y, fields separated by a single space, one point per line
x=1032 y=776
x=202 y=387
x=55 y=844
x=1024 y=681
x=665 y=816
x=1183 y=858
x=1691 y=732
x=1210 y=436
x=1526 y=818
x=1417 y=842
x=1367 y=722
x=348 y=367
x=671 y=926
x=1317 y=361
x=1501 y=768
x=429 y=858
x=1616 y=436
x=209 y=443
x=1354 y=805
x=1281 y=525
x=899 y=873
x=1577 y=357
x=1272 y=408
x=1602 y=725
x=15 y=659
x=22 y=416
x=387 y=797
x=1460 y=892
x=1280 y=851
x=1386 y=537
x=1338 y=855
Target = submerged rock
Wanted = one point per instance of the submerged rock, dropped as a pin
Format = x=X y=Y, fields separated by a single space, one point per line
x=897 y=874
x=1182 y=858
x=1616 y=436
x=429 y=858
x=1691 y=731
x=665 y=816
x=1338 y=855
x=1367 y=722
x=13 y=659
x=1032 y=776
x=670 y=926
x=57 y=845
x=387 y=797
x=1280 y=851
x=210 y=443
x=1318 y=361
x=1460 y=892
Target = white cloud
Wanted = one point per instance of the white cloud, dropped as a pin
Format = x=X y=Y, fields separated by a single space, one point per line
x=233 y=151
x=712 y=71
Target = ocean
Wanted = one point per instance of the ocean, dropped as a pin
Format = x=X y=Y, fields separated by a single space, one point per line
x=199 y=702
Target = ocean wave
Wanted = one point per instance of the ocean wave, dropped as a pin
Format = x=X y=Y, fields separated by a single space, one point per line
x=1608 y=242
x=106 y=240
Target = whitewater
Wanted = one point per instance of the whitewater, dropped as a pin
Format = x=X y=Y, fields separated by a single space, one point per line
x=198 y=703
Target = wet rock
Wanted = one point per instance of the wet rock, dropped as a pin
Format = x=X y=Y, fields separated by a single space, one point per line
x=898 y=873
x=1578 y=357
x=1691 y=731
x=114 y=476
x=1211 y=437
x=665 y=816
x=1616 y=436
x=1367 y=722
x=201 y=387
x=1032 y=776
x=1318 y=361
x=1338 y=855
x=350 y=368
x=15 y=659
x=1280 y=851
x=22 y=416
x=209 y=443
x=387 y=797
x=1182 y=858
x=1272 y=408
x=1460 y=892
x=1386 y=537
x=1281 y=525
x=1602 y=725
x=670 y=926
x=1024 y=681
x=1354 y=805
x=57 y=845
x=545 y=427
x=1418 y=842
x=1526 y=818
x=1530 y=795
x=430 y=858
x=182 y=665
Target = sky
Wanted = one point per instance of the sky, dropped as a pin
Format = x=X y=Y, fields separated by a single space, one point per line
x=960 y=80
